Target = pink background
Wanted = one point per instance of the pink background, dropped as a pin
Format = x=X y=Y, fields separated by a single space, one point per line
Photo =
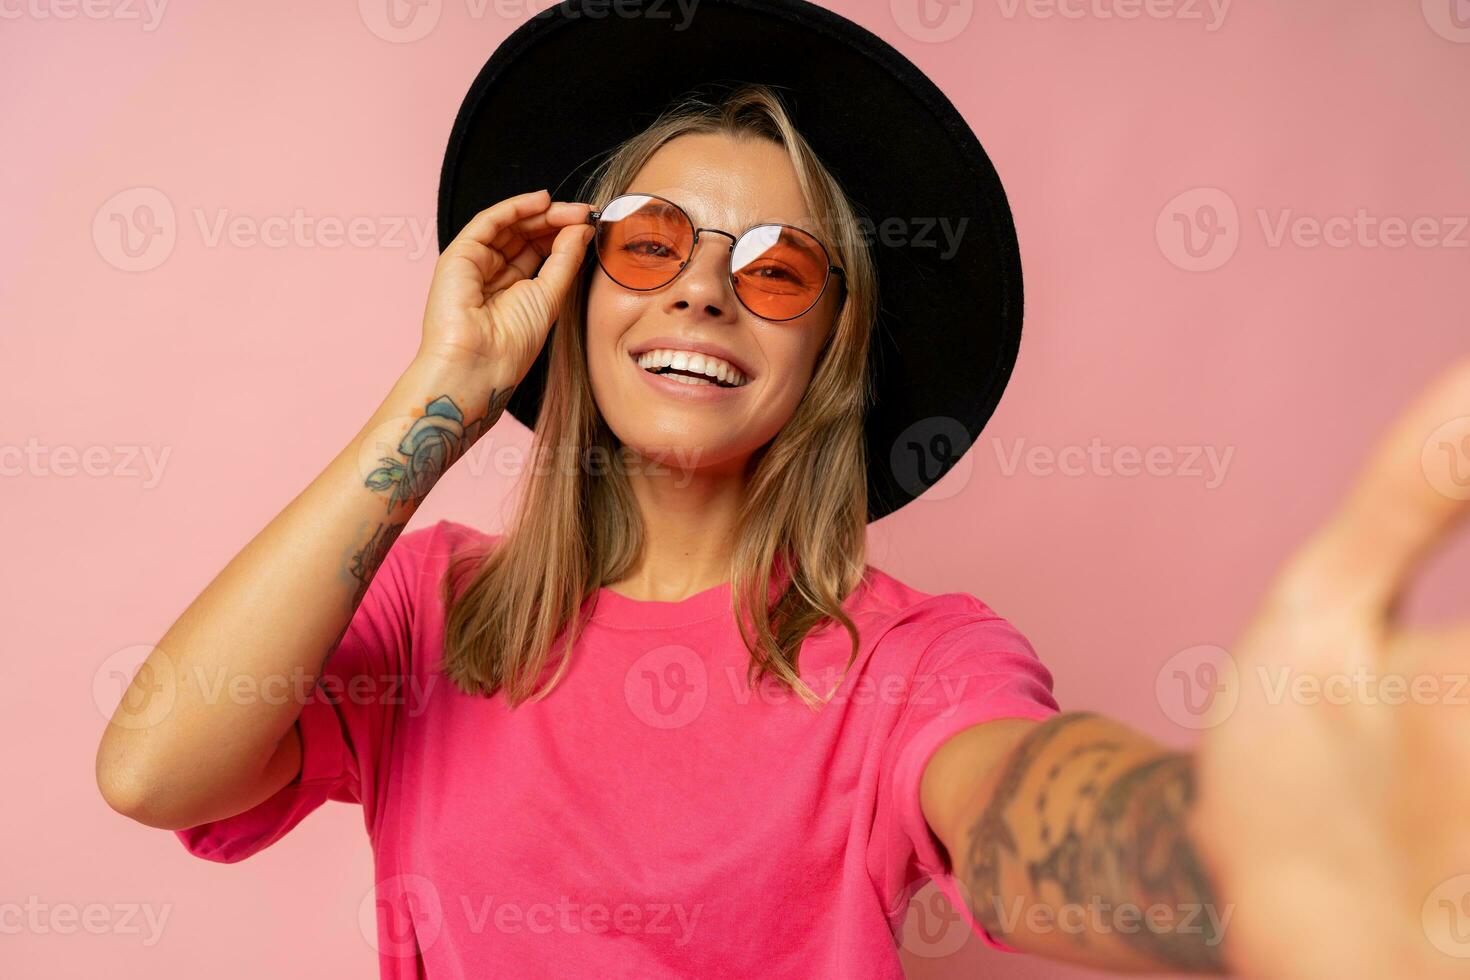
x=251 y=365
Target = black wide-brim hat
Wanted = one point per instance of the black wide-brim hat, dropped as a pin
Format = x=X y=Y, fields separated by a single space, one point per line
x=578 y=78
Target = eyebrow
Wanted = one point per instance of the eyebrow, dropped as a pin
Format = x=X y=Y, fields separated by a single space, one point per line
x=664 y=206
x=661 y=205
x=811 y=251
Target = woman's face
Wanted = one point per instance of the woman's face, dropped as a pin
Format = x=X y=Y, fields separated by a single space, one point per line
x=729 y=184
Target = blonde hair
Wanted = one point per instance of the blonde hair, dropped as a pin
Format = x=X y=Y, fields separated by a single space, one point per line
x=575 y=531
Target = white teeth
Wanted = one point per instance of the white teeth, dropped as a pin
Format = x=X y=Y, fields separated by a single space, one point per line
x=708 y=365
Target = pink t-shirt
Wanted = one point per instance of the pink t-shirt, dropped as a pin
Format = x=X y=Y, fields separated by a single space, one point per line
x=652 y=817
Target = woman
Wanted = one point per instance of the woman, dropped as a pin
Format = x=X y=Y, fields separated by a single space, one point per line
x=588 y=746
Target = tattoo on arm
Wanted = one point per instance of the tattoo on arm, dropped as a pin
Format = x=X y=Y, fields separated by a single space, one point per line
x=1120 y=841
x=993 y=839
x=433 y=443
x=368 y=558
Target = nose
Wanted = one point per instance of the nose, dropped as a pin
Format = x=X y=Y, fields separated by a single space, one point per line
x=704 y=283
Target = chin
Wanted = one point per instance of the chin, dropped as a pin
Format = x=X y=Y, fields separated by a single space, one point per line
x=678 y=449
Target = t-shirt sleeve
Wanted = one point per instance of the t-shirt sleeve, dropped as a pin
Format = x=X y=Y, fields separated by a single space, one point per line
x=977 y=670
x=347 y=720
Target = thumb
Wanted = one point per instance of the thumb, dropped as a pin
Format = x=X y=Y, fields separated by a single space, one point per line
x=559 y=270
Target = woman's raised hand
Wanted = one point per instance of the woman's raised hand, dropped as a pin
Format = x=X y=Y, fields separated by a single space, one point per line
x=500 y=285
x=1334 y=780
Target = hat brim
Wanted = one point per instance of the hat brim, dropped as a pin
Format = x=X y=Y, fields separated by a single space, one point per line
x=578 y=78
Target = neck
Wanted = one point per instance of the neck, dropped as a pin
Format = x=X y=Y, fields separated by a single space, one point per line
x=689 y=523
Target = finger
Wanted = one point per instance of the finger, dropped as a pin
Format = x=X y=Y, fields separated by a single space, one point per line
x=523 y=242
x=526 y=254
x=525 y=213
x=1414 y=486
x=542 y=224
x=1431 y=790
x=1433 y=644
x=472 y=262
x=485 y=225
x=534 y=248
x=560 y=267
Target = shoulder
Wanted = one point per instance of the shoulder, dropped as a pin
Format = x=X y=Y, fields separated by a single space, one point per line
x=885 y=597
x=911 y=624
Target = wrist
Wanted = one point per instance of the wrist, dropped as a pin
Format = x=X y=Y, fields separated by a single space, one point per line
x=472 y=379
x=461 y=401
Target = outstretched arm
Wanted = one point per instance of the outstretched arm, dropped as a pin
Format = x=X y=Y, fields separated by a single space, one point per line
x=1326 y=798
x=1070 y=839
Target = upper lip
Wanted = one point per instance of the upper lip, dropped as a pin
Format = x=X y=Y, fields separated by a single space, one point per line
x=690 y=344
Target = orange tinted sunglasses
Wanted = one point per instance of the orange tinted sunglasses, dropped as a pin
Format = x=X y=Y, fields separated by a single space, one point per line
x=778 y=271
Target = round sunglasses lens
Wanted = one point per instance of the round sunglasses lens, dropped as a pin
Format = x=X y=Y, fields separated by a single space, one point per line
x=779 y=271
x=642 y=241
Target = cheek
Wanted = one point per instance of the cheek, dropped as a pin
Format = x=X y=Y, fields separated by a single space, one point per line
x=791 y=358
x=607 y=317
x=599 y=314
x=610 y=313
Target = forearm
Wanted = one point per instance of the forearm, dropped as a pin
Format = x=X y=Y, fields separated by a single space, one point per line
x=184 y=745
x=1079 y=850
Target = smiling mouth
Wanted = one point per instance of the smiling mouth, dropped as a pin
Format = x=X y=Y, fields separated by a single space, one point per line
x=686 y=376
x=689 y=377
